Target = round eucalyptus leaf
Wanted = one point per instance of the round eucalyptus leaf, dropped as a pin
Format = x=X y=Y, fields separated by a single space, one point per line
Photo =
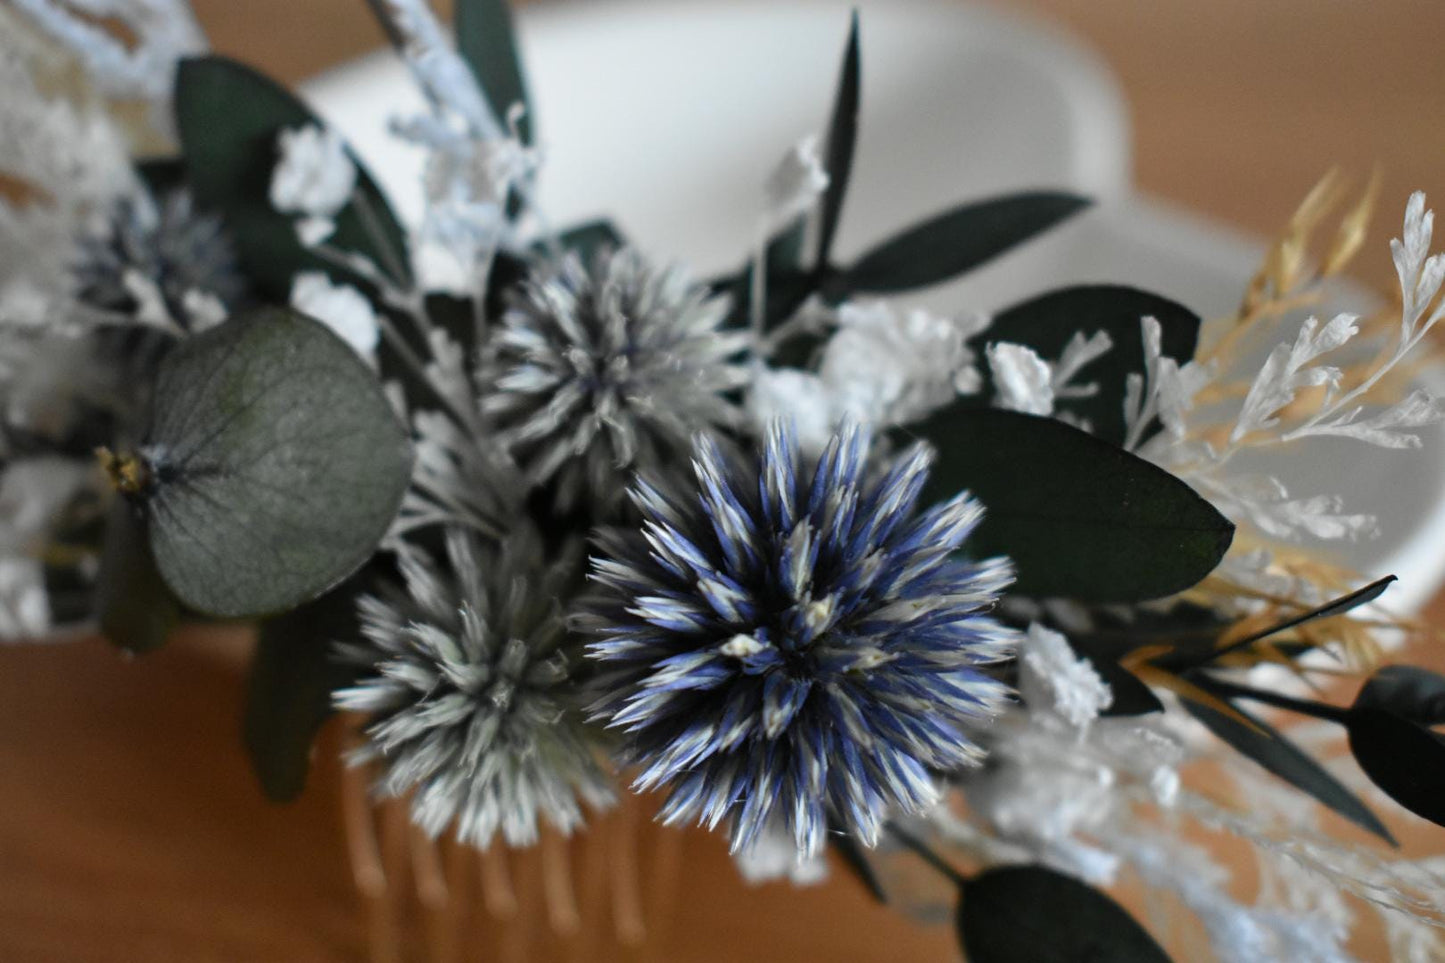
x=1019 y=913
x=276 y=465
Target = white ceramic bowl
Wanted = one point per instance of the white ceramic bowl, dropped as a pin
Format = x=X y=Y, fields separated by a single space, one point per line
x=668 y=118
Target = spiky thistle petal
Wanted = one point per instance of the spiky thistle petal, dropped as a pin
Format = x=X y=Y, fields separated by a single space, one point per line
x=470 y=679
x=164 y=250
x=796 y=640
x=598 y=369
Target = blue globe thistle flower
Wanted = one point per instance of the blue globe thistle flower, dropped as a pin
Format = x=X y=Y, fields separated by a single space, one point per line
x=604 y=368
x=796 y=641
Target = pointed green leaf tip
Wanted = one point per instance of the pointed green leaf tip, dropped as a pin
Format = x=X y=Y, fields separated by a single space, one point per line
x=1270 y=749
x=487 y=42
x=1081 y=518
x=275 y=465
x=842 y=138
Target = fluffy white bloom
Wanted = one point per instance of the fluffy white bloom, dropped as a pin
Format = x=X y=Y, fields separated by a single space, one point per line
x=314 y=175
x=796 y=182
x=1053 y=679
x=1025 y=382
x=1022 y=380
x=775 y=856
x=340 y=307
x=797 y=397
x=881 y=368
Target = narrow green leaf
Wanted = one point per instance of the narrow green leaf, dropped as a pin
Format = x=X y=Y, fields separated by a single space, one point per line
x=487 y=42
x=228 y=117
x=288 y=695
x=137 y=611
x=1406 y=760
x=1339 y=606
x=1081 y=518
x=1046 y=323
x=857 y=863
x=1029 y=913
x=1270 y=749
x=1132 y=697
x=276 y=465
x=958 y=240
x=838 y=149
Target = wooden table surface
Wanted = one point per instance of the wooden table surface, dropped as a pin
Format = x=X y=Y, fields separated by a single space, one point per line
x=130 y=828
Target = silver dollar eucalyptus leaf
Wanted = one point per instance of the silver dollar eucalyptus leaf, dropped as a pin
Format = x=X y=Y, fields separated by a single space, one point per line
x=274 y=465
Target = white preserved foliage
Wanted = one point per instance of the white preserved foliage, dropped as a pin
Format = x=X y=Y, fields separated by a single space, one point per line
x=70 y=164
x=1267 y=418
x=141 y=66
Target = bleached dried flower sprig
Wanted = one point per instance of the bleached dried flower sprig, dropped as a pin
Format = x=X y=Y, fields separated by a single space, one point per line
x=842 y=553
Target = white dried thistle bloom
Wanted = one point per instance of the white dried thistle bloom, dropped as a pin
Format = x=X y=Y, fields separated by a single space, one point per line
x=470 y=683
x=599 y=370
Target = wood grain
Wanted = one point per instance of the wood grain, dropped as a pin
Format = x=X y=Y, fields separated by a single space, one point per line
x=130 y=827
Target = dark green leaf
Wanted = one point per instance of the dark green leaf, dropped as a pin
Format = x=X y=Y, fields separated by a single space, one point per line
x=228 y=117
x=1278 y=755
x=488 y=43
x=161 y=174
x=1081 y=518
x=1132 y=697
x=958 y=240
x=1046 y=323
x=1029 y=914
x=856 y=860
x=1339 y=606
x=1405 y=760
x=590 y=237
x=288 y=696
x=838 y=150
x=1414 y=694
x=277 y=465
x=137 y=612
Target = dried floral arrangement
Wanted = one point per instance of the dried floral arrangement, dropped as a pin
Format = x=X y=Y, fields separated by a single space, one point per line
x=558 y=522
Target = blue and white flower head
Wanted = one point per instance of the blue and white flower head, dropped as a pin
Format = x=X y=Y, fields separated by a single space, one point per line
x=599 y=369
x=796 y=640
x=162 y=263
x=469 y=679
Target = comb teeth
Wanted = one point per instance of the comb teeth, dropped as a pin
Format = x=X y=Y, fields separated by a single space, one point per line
x=591 y=897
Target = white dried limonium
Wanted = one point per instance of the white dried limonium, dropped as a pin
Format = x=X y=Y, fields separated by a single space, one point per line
x=469 y=679
x=598 y=370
